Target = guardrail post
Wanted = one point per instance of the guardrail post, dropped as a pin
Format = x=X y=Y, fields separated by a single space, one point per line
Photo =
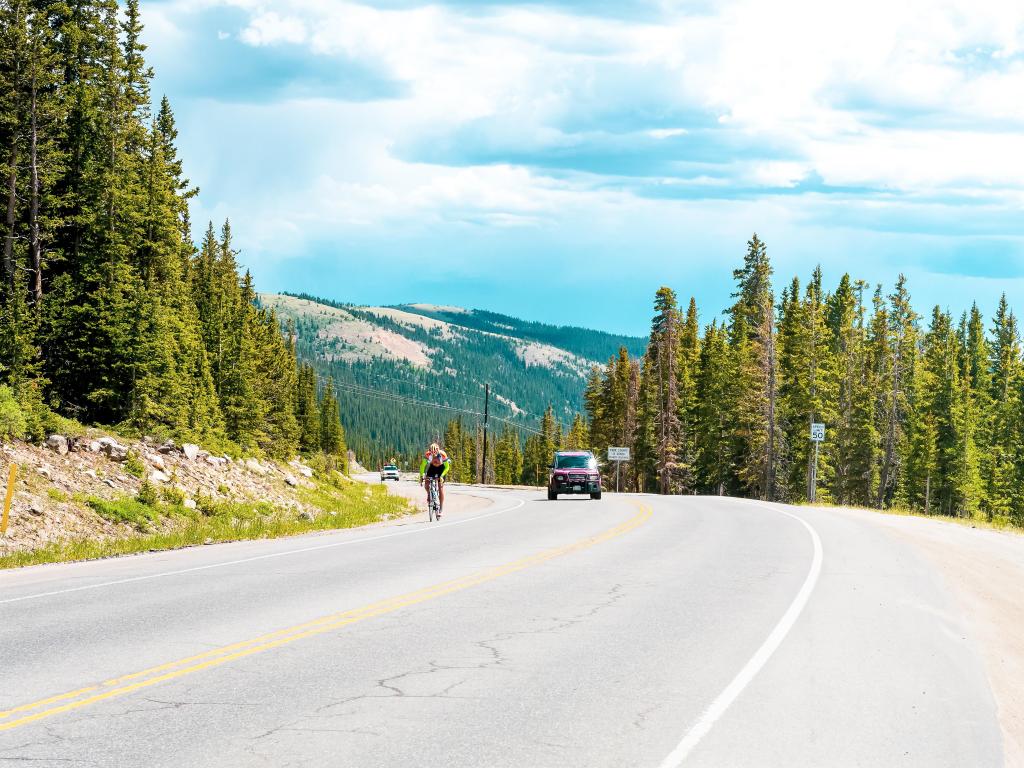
x=11 y=475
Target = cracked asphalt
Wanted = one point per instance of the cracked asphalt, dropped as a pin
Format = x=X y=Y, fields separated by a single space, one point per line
x=604 y=656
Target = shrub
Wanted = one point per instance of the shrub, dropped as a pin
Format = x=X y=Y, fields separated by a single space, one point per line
x=133 y=465
x=148 y=494
x=173 y=495
x=12 y=420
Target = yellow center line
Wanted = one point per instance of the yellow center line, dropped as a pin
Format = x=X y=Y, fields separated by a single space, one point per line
x=119 y=686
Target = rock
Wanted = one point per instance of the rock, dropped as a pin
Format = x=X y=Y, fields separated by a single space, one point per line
x=57 y=443
x=308 y=516
x=168 y=447
x=291 y=480
x=115 y=452
x=254 y=466
x=191 y=451
x=189 y=503
x=305 y=471
x=76 y=444
x=109 y=482
x=35 y=509
x=91 y=473
x=93 y=446
x=215 y=461
x=156 y=460
x=208 y=541
x=156 y=476
x=44 y=471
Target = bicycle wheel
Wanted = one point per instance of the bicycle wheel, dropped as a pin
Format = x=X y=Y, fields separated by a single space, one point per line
x=433 y=505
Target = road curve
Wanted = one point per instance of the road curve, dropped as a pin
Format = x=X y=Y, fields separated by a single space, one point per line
x=633 y=631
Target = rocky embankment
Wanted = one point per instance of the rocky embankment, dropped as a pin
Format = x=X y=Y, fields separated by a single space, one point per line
x=55 y=482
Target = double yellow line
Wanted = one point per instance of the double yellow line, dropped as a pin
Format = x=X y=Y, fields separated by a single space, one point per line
x=119 y=686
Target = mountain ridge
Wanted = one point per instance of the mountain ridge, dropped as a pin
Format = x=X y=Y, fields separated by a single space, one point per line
x=403 y=371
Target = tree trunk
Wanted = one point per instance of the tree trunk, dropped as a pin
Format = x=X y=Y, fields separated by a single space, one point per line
x=9 y=221
x=35 y=247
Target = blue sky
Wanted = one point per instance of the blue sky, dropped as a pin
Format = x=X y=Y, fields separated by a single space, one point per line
x=560 y=161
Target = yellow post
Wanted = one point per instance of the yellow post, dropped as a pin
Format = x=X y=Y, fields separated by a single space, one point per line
x=7 y=501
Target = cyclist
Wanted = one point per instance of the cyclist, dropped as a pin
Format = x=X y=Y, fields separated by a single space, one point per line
x=435 y=464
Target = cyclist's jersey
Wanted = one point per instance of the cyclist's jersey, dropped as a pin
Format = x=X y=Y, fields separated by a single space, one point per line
x=429 y=469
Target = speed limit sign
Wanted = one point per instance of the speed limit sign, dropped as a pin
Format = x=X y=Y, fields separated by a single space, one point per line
x=818 y=433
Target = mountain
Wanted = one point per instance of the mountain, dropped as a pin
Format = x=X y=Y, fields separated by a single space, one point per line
x=402 y=372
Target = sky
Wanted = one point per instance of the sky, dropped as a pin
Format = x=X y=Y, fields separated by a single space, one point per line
x=559 y=161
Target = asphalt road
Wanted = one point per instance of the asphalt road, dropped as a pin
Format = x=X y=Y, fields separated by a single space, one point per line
x=633 y=631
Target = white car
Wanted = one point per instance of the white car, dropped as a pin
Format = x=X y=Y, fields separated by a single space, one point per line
x=389 y=472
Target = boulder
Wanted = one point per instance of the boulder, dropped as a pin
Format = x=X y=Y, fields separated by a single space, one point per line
x=156 y=460
x=215 y=461
x=189 y=504
x=191 y=451
x=91 y=473
x=44 y=471
x=156 y=476
x=57 y=443
x=93 y=446
x=254 y=466
x=291 y=480
x=168 y=447
x=114 y=451
x=305 y=471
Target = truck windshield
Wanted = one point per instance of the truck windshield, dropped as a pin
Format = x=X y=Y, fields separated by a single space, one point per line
x=576 y=462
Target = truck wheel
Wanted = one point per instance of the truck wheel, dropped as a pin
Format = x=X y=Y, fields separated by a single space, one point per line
x=596 y=496
x=552 y=496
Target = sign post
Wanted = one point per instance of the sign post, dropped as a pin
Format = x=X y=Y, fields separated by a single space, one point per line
x=13 y=473
x=817 y=437
x=618 y=455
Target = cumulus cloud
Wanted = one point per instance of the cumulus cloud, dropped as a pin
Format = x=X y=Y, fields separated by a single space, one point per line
x=441 y=116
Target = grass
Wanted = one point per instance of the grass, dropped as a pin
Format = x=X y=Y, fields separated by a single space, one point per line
x=165 y=524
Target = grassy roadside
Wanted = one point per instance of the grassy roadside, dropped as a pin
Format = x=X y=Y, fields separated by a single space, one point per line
x=161 y=521
x=1003 y=525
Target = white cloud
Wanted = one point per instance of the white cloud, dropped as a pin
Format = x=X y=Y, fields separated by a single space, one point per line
x=916 y=98
x=270 y=28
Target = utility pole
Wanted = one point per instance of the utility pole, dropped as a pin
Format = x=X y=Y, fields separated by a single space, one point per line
x=487 y=401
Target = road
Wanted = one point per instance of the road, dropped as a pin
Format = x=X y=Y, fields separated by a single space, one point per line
x=632 y=631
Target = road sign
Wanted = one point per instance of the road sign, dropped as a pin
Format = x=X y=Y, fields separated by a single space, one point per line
x=818 y=433
x=618 y=454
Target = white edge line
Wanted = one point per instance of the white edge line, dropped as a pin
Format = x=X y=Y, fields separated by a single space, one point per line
x=520 y=502
x=725 y=699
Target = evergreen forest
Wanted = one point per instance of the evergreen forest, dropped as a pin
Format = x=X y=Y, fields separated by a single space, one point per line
x=108 y=312
x=921 y=412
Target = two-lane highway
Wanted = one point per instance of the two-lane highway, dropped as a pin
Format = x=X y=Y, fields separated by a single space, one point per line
x=634 y=631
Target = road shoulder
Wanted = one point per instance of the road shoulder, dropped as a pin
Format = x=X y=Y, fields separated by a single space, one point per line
x=984 y=570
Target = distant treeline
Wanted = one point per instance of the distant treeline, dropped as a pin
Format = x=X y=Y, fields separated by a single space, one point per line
x=108 y=313
x=920 y=414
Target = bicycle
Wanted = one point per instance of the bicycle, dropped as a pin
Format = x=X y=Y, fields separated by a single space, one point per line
x=433 y=499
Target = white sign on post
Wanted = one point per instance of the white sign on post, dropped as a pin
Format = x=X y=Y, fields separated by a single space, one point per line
x=618 y=454
x=818 y=433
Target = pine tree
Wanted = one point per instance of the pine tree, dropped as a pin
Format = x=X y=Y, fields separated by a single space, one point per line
x=755 y=390
x=713 y=416
x=1006 y=380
